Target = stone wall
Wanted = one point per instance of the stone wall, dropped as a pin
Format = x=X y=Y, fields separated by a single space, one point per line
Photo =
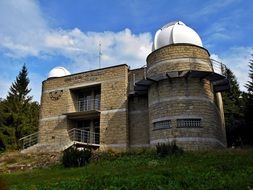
x=134 y=76
x=177 y=51
x=58 y=99
x=178 y=58
x=138 y=121
x=183 y=98
x=126 y=118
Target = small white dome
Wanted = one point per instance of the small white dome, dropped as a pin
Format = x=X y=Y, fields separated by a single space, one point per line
x=58 y=72
x=175 y=33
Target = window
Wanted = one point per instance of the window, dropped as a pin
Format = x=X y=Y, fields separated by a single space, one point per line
x=189 y=123
x=162 y=124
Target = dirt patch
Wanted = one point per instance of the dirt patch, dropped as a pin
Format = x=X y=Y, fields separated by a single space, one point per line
x=16 y=161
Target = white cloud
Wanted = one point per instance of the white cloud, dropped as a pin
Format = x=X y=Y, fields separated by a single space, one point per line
x=237 y=59
x=22 y=27
x=35 y=85
x=24 y=33
x=83 y=47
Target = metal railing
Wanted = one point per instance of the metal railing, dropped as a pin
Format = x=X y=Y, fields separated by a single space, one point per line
x=214 y=65
x=88 y=105
x=84 y=136
x=29 y=140
x=218 y=67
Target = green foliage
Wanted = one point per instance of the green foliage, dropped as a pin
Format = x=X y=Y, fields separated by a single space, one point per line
x=249 y=84
x=232 y=97
x=249 y=104
x=72 y=157
x=227 y=169
x=110 y=155
x=19 y=116
x=104 y=155
x=19 y=89
x=238 y=110
x=233 y=110
x=168 y=149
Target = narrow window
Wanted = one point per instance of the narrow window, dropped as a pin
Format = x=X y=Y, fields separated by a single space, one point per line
x=189 y=123
x=166 y=124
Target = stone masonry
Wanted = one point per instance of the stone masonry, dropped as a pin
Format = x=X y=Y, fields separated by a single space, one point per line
x=170 y=99
x=113 y=116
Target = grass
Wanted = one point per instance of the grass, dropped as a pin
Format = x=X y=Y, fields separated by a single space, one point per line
x=228 y=169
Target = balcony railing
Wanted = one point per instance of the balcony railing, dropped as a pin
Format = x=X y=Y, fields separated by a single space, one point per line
x=84 y=136
x=218 y=67
x=88 y=105
x=29 y=140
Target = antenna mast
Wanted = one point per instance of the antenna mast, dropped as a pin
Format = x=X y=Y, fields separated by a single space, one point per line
x=99 y=55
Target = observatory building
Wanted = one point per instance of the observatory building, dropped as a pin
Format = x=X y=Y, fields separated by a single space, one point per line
x=175 y=97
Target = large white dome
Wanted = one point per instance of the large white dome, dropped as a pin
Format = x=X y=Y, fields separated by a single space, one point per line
x=58 y=72
x=175 y=33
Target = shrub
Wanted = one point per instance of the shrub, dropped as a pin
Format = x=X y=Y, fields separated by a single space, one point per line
x=169 y=148
x=72 y=157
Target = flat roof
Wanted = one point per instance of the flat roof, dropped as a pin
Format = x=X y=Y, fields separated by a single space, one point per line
x=95 y=70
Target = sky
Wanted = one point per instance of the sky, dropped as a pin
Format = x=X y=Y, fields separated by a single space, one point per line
x=44 y=34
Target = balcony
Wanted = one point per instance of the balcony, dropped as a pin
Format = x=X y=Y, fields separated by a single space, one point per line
x=84 y=109
x=214 y=71
x=84 y=137
x=88 y=105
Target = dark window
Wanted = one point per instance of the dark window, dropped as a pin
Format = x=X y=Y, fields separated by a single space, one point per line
x=189 y=123
x=162 y=124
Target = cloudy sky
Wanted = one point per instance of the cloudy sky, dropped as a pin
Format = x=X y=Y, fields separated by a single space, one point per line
x=44 y=34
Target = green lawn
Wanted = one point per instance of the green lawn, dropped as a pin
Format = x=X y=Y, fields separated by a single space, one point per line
x=228 y=169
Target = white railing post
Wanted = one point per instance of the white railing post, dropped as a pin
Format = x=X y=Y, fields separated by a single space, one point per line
x=88 y=105
x=84 y=136
x=29 y=140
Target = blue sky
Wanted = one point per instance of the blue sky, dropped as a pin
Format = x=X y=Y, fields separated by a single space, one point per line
x=44 y=34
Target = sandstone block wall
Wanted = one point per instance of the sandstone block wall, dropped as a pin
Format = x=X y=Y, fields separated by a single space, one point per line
x=58 y=99
x=126 y=118
x=138 y=121
x=183 y=98
x=178 y=58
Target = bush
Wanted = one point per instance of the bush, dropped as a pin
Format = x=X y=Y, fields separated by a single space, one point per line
x=169 y=148
x=72 y=157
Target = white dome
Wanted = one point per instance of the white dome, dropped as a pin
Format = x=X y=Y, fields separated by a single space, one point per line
x=58 y=72
x=175 y=33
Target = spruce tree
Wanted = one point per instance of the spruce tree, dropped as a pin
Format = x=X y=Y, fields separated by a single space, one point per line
x=249 y=84
x=19 y=89
x=249 y=105
x=233 y=110
x=20 y=114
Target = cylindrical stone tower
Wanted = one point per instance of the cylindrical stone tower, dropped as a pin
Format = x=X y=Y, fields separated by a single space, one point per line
x=184 y=93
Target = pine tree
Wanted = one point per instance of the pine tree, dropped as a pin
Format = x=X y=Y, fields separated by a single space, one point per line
x=249 y=105
x=249 y=84
x=20 y=114
x=19 y=89
x=233 y=110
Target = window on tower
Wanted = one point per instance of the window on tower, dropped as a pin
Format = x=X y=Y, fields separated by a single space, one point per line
x=189 y=123
x=166 y=124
